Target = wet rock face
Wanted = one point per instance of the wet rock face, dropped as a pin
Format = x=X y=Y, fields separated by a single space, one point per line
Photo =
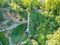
x=1 y=43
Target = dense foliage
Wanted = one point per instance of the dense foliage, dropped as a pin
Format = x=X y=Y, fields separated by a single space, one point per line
x=18 y=33
x=53 y=6
x=44 y=27
x=1 y=16
x=55 y=38
x=3 y=39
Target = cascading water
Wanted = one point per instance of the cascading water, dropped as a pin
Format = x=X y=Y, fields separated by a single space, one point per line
x=27 y=30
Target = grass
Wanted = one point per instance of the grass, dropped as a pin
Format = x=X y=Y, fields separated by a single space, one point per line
x=18 y=33
x=3 y=39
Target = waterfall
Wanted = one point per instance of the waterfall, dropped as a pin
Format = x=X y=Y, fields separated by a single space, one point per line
x=27 y=30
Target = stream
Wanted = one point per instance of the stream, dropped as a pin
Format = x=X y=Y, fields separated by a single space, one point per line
x=13 y=26
x=27 y=30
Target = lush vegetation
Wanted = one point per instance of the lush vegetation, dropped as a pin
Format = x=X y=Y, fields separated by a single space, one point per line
x=55 y=38
x=1 y=16
x=44 y=27
x=53 y=6
x=18 y=33
x=3 y=39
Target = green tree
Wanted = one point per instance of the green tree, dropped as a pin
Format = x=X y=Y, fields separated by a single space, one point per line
x=2 y=3
x=53 y=6
x=55 y=38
